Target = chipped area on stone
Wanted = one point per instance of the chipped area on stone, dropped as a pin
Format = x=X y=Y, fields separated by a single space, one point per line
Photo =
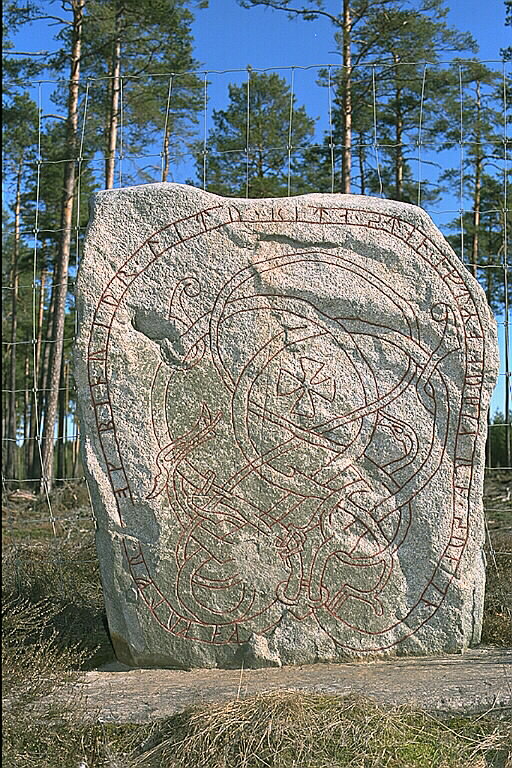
x=283 y=411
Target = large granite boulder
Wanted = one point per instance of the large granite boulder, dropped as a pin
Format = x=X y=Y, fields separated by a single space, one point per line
x=283 y=415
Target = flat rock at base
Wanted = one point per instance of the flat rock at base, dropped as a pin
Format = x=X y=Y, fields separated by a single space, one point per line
x=283 y=418
x=478 y=681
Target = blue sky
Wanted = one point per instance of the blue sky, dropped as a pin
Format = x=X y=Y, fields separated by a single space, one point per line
x=229 y=37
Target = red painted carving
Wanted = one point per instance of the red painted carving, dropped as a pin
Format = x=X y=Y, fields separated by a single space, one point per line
x=306 y=386
x=336 y=519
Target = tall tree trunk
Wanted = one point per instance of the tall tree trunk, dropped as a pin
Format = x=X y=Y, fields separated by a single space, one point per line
x=61 y=471
x=346 y=157
x=477 y=195
x=44 y=378
x=477 y=189
x=65 y=247
x=26 y=418
x=37 y=394
x=66 y=419
x=75 y=448
x=166 y=164
x=399 y=168
x=115 y=92
x=167 y=135
x=361 y=157
x=10 y=472
x=399 y=127
x=5 y=412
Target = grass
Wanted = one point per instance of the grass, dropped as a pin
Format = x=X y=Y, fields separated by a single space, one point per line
x=497 y=623
x=60 y=568
x=295 y=730
x=54 y=625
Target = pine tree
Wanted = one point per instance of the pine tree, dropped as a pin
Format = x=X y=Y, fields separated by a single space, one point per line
x=19 y=143
x=145 y=48
x=43 y=194
x=66 y=226
x=407 y=97
x=378 y=88
x=70 y=55
x=149 y=36
x=260 y=156
x=345 y=24
x=507 y=52
x=395 y=93
x=473 y=119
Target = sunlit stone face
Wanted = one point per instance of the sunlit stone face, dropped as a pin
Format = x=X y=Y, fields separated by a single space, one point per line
x=284 y=404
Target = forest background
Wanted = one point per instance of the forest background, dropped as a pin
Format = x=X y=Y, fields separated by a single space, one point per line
x=395 y=98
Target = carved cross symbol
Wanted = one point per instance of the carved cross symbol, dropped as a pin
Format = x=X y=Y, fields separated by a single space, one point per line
x=306 y=384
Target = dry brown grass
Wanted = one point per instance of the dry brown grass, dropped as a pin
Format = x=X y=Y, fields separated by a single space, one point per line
x=497 y=625
x=54 y=623
x=297 y=730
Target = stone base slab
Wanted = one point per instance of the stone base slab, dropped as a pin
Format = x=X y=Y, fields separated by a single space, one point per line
x=477 y=681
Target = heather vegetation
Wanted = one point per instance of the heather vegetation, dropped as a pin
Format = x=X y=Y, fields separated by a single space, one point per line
x=54 y=627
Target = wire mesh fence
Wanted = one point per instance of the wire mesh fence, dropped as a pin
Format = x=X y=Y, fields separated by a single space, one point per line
x=433 y=135
x=455 y=166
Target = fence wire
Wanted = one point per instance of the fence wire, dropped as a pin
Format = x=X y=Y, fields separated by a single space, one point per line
x=440 y=167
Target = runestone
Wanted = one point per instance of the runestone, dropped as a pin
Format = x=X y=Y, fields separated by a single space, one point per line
x=283 y=412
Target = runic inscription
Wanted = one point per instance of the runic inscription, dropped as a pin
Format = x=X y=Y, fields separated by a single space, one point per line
x=285 y=406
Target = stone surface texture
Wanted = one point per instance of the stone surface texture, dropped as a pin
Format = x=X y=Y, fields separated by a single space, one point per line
x=283 y=414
